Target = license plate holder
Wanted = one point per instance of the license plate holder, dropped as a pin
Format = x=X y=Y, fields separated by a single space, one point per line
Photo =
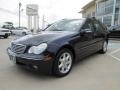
x=12 y=57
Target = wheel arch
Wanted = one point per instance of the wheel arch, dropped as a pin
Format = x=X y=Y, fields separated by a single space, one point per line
x=67 y=46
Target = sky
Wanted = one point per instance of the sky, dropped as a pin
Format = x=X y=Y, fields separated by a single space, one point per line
x=52 y=9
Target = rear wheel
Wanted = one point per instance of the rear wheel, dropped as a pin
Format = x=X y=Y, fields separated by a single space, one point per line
x=63 y=63
x=104 y=47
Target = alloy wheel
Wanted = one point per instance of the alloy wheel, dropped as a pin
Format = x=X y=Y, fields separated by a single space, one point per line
x=65 y=62
x=105 y=46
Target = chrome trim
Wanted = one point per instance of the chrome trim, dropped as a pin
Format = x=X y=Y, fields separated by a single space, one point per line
x=18 y=48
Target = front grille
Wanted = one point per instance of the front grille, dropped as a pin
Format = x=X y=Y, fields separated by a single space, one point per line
x=18 y=48
x=4 y=30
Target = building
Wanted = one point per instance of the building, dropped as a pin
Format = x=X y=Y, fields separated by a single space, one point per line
x=89 y=10
x=107 y=11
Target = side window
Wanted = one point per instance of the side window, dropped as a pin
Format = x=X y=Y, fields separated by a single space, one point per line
x=88 y=26
x=97 y=26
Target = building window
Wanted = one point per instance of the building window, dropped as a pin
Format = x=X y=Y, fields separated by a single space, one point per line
x=104 y=7
x=109 y=10
x=107 y=20
x=118 y=1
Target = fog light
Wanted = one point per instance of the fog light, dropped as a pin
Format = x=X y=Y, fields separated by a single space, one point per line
x=47 y=58
x=35 y=67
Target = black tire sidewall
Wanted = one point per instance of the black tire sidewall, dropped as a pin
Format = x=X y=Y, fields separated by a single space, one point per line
x=6 y=36
x=102 y=50
x=56 y=71
x=106 y=46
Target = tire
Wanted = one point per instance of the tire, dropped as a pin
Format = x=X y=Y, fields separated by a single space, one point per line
x=61 y=63
x=104 y=47
x=6 y=36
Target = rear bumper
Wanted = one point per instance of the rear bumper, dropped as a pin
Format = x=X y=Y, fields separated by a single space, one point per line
x=33 y=63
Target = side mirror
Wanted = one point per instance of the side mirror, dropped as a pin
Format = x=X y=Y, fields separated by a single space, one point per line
x=84 y=31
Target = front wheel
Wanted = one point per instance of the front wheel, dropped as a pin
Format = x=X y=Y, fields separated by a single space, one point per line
x=104 y=47
x=63 y=63
x=6 y=36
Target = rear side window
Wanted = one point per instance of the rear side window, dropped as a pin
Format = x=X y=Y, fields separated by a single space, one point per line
x=97 y=26
x=88 y=25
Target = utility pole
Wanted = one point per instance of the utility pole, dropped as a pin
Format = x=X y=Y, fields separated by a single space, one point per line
x=20 y=13
x=43 y=21
x=113 y=15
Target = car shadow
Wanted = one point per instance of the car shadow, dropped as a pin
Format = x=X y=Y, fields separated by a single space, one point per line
x=85 y=60
x=34 y=73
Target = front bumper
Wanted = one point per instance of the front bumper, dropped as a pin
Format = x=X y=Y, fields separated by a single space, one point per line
x=5 y=33
x=35 y=62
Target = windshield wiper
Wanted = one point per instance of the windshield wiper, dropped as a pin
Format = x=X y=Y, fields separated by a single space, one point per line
x=57 y=30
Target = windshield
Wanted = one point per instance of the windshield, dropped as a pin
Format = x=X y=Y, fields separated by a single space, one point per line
x=66 y=25
x=20 y=28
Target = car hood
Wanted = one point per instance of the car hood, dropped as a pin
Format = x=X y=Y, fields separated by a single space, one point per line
x=45 y=36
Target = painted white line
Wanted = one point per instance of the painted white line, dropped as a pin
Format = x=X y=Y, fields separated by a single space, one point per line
x=115 y=51
x=118 y=59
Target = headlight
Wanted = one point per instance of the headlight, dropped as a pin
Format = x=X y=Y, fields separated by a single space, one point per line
x=38 y=49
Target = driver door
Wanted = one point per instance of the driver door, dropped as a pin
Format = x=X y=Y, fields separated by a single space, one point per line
x=86 y=39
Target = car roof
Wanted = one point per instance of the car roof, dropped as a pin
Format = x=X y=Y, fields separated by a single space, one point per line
x=73 y=19
x=87 y=18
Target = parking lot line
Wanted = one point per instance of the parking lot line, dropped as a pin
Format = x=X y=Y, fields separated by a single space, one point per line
x=118 y=59
x=115 y=51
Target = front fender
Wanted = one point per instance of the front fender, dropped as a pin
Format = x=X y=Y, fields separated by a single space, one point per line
x=54 y=48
